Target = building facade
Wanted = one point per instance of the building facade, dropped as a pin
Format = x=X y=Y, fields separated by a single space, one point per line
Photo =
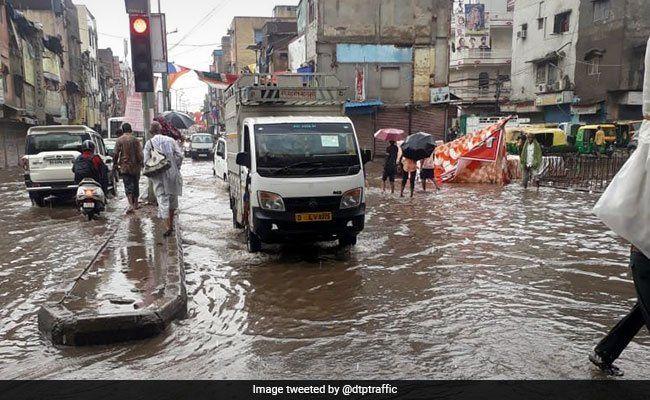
x=274 y=53
x=90 y=77
x=481 y=56
x=545 y=34
x=611 y=47
x=245 y=33
x=389 y=53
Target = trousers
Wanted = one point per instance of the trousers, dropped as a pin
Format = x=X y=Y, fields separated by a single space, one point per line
x=612 y=345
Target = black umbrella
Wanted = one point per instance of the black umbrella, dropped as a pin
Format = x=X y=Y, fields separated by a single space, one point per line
x=177 y=119
x=418 y=146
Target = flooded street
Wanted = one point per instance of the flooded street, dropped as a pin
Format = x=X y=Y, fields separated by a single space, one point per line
x=475 y=282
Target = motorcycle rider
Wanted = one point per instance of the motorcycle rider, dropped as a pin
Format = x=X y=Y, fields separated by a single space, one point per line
x=90 y=165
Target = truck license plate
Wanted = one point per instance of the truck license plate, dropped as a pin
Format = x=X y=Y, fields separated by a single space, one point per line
x=89 y=205
x=314 y=217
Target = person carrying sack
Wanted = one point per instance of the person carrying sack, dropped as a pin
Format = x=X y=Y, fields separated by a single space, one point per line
x=163 y=160
x=625 y=208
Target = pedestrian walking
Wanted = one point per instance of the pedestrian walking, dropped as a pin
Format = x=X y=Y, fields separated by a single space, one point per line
x=530 y=158
x=599 y=141
x=390 y=167
x=409 y=173
x=625 y=209
x=167 y=184
x=427 y=172
x=129 y=159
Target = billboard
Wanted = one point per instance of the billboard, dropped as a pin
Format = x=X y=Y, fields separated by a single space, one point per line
x=475 y=21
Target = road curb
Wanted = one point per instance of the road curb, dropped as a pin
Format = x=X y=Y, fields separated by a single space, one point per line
x=83 y=328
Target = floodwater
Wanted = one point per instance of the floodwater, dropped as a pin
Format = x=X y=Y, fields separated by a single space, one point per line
x=475 y=282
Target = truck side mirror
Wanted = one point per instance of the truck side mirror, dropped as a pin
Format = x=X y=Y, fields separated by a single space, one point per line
x=366 y=156
x=243 y=160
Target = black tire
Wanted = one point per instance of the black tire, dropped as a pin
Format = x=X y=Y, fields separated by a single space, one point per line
x=348 y=240
x=37 y=199
x=90 y=215
x=253 y=242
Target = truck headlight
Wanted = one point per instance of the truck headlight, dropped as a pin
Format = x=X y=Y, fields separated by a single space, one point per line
x=351 y=198
x=270 y=201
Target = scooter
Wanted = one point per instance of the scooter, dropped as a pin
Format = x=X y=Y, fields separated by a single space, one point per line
x=91 y=199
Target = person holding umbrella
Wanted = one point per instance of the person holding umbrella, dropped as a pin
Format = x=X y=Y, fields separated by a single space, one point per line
x=390 y=167
x=416 y=147
x=392 y=136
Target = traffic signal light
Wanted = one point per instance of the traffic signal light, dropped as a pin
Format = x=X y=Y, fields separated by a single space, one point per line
x=141 y=52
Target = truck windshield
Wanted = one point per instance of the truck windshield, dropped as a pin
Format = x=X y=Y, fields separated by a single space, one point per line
x=306 y=149
x=202 y=139
x=55 y=141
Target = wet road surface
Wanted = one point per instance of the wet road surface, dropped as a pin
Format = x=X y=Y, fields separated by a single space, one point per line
x=475 y=282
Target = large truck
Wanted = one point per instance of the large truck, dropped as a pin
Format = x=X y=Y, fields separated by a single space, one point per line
x=295 y=169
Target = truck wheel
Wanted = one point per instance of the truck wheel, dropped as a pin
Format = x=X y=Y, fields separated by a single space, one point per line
x=253 y=242
x=90 y=215
x=37 y=199
x=348 y=240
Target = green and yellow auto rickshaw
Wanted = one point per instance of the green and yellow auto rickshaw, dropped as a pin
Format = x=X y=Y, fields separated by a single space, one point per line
x=550 y=139
x=585 y=138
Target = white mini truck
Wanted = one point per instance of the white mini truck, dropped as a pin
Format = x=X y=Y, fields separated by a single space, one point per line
x=295 y=169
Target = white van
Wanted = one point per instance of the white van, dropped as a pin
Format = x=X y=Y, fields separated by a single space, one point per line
x=201 y=145
x=220 y=165
x=50 y=152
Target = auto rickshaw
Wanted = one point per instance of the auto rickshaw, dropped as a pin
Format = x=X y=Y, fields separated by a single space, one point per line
x=549 y=138
x=625 y=131
x=585 y=138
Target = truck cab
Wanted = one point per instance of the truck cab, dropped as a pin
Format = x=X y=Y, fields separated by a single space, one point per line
x=296 y=172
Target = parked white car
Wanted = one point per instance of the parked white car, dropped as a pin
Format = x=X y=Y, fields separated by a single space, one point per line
x=220 y=167
x=201 y=145
x=50 y=152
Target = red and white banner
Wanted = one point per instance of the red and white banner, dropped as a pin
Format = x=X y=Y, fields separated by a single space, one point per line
x=478 y=157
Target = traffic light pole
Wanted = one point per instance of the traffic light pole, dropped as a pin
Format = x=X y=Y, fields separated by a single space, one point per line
x=146 y=114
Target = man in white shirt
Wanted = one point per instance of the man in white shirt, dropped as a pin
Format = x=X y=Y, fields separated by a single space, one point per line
x=531 y=158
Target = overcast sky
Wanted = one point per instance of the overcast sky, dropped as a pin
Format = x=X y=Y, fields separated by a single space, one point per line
x=184 y=15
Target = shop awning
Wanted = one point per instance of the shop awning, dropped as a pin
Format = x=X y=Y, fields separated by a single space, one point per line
x=551 y=56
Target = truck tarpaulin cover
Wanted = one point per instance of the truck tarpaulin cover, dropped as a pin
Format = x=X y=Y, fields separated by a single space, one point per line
x=478 y=157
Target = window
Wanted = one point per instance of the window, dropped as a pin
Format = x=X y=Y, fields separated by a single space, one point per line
x=483 y=81
x=524 y=27
x=259 y=35
x=247 y=140
x=602 y=10
x=562 y=22
x=593 y=66
x=541 y=74
x=390 y=78
x=540 y=23
x=552 y=74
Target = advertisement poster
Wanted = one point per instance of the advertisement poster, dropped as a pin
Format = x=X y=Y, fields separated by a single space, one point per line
x=360 y=93
x=475 y=24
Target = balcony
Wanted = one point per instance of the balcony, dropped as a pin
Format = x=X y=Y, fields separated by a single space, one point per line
x=474 y=57
x=470 y=93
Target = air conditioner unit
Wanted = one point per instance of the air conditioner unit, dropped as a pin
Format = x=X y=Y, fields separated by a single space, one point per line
x=522 y=34
x=542 y=88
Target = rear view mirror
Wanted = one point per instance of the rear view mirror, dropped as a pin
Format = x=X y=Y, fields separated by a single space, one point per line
x=366 y=156
x=243 y=160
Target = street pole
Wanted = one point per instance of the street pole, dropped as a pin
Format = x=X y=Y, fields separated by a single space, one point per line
x=146 y=114
x=165 y=83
